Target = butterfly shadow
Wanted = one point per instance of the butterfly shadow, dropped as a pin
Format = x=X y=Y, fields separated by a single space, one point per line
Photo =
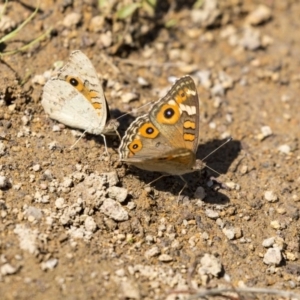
x=219 y=161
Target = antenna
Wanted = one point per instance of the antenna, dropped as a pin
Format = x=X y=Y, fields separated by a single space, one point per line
x=227 y=141
x=201 y=161
x=137 y=109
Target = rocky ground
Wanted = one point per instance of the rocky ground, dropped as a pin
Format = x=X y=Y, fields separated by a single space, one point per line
x=78 y=225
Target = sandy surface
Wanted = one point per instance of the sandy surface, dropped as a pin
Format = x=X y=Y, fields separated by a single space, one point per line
x=56 y=239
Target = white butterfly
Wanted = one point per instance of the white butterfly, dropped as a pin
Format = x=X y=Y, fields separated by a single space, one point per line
x=75 y=98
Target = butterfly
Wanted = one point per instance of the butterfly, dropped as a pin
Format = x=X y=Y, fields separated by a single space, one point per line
x=75 y=97
x=166 y=138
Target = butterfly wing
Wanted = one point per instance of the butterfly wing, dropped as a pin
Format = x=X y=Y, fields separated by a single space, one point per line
x=166 y=139
x=177 y=115
x=75 y=96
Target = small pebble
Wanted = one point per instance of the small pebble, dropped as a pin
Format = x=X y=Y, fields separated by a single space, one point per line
x=285 y=98
x=49 y=264
x=59 y=203
x=111 y=178
x=149 y=238
x=106 y=39
x=267 y=243
x=273 y=256
x=128 y=97
x=27 y=238
x=232 y=185
x=4 y=182
x=291 y=256
x=285 y=149
x=130 y=290
x=270 y=196
x=72 y=19
x=266 y=131
x=8 y=269
x=244 y=169
x=25 y=120
x=67 y=183
x=212 y=214
x=114 y=210
x=36 y=168
x=33 y=213
x=204 y=78
x=131 y=205
x=6 y=23
x=39 y=79
x=56 y=128
x=154 y=251
x=260 y=15
x=165 y=258
x=117 y=193
x=200 y=193
x=90 y=224
x=210 y=265
x=275 y=224
x=97 y=23
x=142 y=81
x=229 y=233
x=250 y=39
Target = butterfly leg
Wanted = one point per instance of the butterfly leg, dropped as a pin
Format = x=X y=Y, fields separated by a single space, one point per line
x=118 y=134
x=148 y=184
x=220 y=183
x=81 y=136
x=104 y=139
x=185 y=185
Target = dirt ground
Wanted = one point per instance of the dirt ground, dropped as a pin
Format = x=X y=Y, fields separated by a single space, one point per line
x=56 y=240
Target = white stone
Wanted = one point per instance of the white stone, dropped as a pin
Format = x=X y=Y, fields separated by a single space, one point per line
x=270 y=196
x=67 y=182
x=165 y=258
x=210 y=265
x=250 y=39
x=267 y=243
x=111 y=178
x=266 y=131
x=260 y=15
x=117 y=193
x=229 y=233
x=72 y=19
x=33 y=212
x=114 y=210
x=154 y=251
x=60 y=203
x=128 y=97
x=4 y=182
x=27 y=238
x=90 y=224
x=285 y=149
x=130 y=290
x=8 y=269
x=49 y=264
x=142 y=81
x=275 y=224
x=120 y=273
x=272 y=256
x=212 y=214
